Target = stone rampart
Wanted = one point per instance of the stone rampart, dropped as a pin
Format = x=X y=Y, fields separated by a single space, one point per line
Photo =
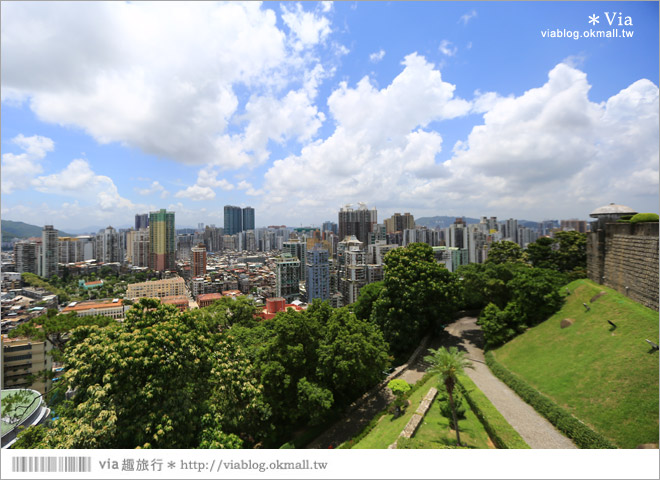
x=624 y=256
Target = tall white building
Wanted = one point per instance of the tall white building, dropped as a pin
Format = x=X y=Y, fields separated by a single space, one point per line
x=49 y=252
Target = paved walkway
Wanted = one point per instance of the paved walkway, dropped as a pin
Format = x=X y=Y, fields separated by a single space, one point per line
x=466 y=335
x=532 y=427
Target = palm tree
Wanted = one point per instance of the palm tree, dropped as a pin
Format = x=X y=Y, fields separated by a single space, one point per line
x=448 y=364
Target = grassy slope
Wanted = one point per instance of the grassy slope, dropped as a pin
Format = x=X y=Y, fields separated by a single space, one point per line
x=606 y=377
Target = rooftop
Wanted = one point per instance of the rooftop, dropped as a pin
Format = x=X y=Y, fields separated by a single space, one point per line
x=28 y=403
x=612 y=208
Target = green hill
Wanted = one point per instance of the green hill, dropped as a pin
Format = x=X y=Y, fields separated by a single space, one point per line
x=12 y=229
x=605 y=376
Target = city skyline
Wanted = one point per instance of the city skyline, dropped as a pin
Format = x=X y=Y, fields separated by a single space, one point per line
x=424 y=108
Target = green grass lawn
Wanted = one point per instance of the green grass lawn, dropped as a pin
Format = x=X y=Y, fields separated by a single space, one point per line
x=605 y=376
x=389 y=428
x=434 y=431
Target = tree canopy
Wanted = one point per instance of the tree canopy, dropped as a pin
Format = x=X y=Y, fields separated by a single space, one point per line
x=160 y=379
x=418 y=295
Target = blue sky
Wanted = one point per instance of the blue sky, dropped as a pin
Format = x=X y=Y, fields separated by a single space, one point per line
x=433 y=108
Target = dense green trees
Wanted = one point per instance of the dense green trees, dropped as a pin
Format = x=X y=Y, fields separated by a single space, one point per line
x=316 y=361
x=160 y=379
x=515 y=297
x=565 y=252
x=505 y=252
x=418 y=295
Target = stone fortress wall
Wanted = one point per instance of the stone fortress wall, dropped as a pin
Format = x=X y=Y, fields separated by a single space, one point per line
x=624 y=256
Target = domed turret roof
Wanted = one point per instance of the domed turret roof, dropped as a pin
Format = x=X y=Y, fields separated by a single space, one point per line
x=612 y=208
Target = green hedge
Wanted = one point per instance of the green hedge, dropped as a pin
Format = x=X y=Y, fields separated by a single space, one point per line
x=573 y=428
x=500 y=431
x=644 y=217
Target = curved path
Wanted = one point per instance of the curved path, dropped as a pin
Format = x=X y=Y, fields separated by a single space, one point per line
x=532 y=427
x=465 y=334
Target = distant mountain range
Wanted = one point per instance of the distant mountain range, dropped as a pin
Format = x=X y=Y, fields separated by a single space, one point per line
x=12 y=229
x=445 y=221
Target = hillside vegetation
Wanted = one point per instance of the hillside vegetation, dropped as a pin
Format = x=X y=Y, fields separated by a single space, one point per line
x=604 y=375
x=12 y=229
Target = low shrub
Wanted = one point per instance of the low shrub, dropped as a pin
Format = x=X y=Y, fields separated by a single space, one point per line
x=644 y=217
x=499 y=430
x=445 y=406
x=582 y=435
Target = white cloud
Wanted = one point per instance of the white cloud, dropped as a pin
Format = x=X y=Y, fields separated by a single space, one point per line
x=155 y=187
x=208 y=178
x=468 y=16
x=78 y=180
x=547 y=151
x=379 y=148
x=196 y=193
x=19 y=170
x=377 y=56
x=446 y=48
x=308 y=28
x=249 y=189
x=162 y=77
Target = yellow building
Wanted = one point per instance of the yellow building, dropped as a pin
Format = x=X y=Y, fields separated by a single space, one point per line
x=157 y=289
x=22 y=358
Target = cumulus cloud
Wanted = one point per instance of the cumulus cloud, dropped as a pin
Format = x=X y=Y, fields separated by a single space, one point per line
x=196 y=193
x=307 y=27
x=548 y=150
x=377 y=56
x=19 y=169
x=154 y=188
x=78 y=180
x=162 y=77
x=380 y=145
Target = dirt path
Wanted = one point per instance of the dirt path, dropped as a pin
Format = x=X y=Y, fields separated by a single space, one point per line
x=532 y=427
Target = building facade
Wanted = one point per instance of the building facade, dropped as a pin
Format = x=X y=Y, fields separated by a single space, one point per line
x=358 y=222
x=157 y=289
x=162 y=241
x=318 y=274
x=49 y=252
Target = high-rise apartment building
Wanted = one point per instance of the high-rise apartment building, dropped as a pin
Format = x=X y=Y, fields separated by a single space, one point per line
x=399 y=223
x=198 y=260
x=352 y=268
x=318 y=274
x=162 y=241
x=49 y=252
x=141 y=221
x=574 y=224
x=329 y=226
x=137 y=243
x=297 y=249
x=287 y=270
x=233 y=220
x=26 y=257
x=108 y=246
x=248 y=218
x=358 y=222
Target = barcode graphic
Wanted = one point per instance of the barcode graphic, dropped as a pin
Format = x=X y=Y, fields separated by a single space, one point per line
x=51 y=464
